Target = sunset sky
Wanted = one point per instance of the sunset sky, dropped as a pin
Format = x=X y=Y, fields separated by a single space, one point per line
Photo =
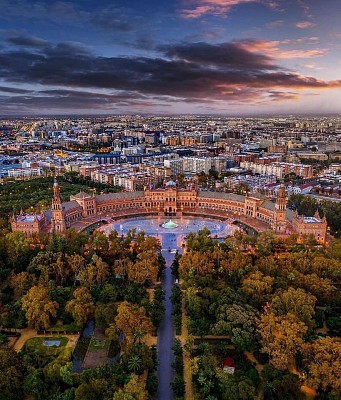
x=231 y=57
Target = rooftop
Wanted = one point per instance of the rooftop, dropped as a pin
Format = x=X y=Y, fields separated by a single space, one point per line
x=312 y=220
x=28 y=217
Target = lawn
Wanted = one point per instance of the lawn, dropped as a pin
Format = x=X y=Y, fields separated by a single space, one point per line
x=43 y=354
x=99 y=344
x=36 y=343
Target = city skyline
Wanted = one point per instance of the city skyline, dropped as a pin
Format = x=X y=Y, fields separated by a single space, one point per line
x=227 y=57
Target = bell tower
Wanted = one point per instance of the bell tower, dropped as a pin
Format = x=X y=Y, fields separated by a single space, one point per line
x=280 y=223
x=58 y=221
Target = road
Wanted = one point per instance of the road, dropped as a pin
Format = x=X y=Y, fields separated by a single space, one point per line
x=166 y=335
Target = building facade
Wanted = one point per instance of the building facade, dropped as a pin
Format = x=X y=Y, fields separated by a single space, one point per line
x=172 y=201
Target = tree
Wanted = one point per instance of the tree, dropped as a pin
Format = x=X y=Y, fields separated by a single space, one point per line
x=60 y=270
x=280 y=385
x=111 y=332
x=18 y=250
x=11 y=375
x=194 y=263
x=102 y=269
x=200 y=241
x=21 y=283
x=95 y=273
x=39 y=307
x=234 y=387
x=99 y=242
x=236 y=266
x=322 y=359
x=281 y=338
x=93 y=390
x=75 y=263
x=266 y=242
x=135 y=389
x=105 y=314
x=81 y=307
x=239 y=322
x=130 y=318
x=135 y=364
x=294 y=301
x=258 y=286
x=146 y=268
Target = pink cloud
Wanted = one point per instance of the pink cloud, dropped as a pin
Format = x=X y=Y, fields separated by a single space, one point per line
x=274 y=50
x=305 y=24
x=196 y=9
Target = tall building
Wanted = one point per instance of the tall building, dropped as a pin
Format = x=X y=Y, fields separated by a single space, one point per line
x=58 y=221
x=280 y=222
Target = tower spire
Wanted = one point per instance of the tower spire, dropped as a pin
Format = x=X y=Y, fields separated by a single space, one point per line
x=58 y=220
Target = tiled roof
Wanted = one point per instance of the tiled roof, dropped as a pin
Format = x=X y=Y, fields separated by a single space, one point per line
x=290 y=215
x=81 y=195
x=70 y=205
x=117 y=196
x=221 y=195
x=269 y=205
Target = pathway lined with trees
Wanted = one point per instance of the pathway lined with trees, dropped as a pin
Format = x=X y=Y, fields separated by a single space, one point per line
x=166 y=335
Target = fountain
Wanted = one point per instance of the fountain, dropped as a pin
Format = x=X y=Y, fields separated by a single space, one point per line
x=169 y=225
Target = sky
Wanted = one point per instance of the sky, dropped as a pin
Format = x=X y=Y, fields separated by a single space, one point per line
x=225 y=57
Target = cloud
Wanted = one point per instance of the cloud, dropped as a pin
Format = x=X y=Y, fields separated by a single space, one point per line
x=305 y=24
x=26 y=40
x=275 y=24
x=6 y=89
x=192 y=72
x=274 y=49
x=196 y=9
x=61 y=100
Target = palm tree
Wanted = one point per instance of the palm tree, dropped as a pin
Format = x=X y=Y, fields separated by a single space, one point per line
x=135 y=364
x=139 y=335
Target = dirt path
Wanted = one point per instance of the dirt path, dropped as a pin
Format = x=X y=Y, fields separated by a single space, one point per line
x=308 y=391
x=29 y=333
x=250 y=356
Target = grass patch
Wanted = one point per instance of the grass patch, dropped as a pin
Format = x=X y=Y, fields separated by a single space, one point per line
x=37 y=342
x=99 y=344
x=42 y=354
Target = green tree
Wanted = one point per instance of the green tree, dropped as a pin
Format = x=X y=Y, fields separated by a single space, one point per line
x=294 y=301
x=238 y=322
x=12 y=372
x=135 y=364
x=81 y=307
x=39 y=307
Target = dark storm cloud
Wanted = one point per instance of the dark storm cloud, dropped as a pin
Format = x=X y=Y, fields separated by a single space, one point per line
x=5 y=89
x=27 y=41
x=230 y=55
x=72 y=100
x=197 y=71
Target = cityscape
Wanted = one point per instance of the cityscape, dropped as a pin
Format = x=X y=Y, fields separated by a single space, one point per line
x=170 y=200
